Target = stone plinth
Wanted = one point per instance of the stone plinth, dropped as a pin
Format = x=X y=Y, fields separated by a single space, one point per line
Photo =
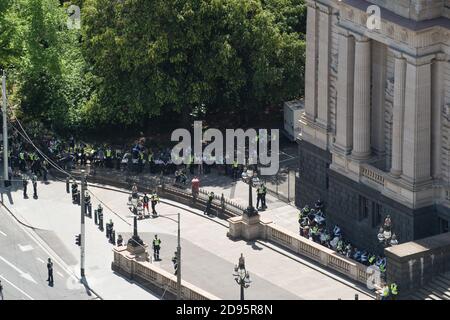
x=248 y=228
x=138 y=252
x=414 y=264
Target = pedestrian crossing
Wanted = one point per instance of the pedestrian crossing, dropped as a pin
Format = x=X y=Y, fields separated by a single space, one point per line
x=437 y=289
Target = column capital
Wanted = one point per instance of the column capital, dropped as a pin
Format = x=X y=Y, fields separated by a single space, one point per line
x=397 y=53
x=359 y=37
x=323 y=8
x=419 y=61
x=311 y=4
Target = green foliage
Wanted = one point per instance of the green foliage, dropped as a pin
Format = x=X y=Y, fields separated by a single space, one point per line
x=136 y=60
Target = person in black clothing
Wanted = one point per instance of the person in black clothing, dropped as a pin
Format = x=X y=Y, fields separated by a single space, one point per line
x=208 y=203
x=34 y=180
x=25 y=184
x=50 y=271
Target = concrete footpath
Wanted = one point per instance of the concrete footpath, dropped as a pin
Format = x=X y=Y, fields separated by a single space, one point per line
x=208 y=256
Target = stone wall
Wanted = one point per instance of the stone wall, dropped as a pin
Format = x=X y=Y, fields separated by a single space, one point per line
x=413 y=264
x=154 y=278
x=418 y=10
x=312 y=181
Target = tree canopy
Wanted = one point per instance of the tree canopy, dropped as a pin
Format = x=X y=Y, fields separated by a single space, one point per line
x=135 y=60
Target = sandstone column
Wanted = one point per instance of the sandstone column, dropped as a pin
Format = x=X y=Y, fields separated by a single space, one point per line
x=397 y=117
x=361 y=102
x=417 y=121
x=437 y=101
x=324 y=65
x=311 y=63
x=344 y=112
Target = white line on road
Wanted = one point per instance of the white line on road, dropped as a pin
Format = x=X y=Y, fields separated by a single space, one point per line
x=2 y=233
x=40 y=260
x=25 y=248
x=17 y=288
x=60 y=274
x=22 y=274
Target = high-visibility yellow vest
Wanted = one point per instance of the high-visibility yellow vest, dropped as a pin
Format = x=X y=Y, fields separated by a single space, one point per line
x=394 y=290
x=108 y=153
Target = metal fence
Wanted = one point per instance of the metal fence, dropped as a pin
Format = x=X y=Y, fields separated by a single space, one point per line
x=282 y=185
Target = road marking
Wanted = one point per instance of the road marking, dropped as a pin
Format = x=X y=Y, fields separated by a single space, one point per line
x=17 y=288
x=25 y=248
x=40 y=260
x=22 y=274
x=2 y=233
x=60 y=274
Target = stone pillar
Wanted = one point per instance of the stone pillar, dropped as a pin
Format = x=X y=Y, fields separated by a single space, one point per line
x=324 y=65
x=417 y=121
x=378 y=97
x=397 y=117
x=311 y=63
x=361 y=102
x=344 y=112
x=437 y=101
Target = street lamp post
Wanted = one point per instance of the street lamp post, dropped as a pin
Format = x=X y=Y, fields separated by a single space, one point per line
x=135 y=240
x=241 y=276
x=249 y=176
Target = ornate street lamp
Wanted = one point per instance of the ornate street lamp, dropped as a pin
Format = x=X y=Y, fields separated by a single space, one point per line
x=385 y=235
x=135 y=240
x=241 y=276
x=250 y=177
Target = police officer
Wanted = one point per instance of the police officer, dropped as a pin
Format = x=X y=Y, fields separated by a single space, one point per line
x=34 y=180
x=263 y=196
x=25 y=184
x=154 y=200
x=394 y=291
x=50 y=271
x=259 y=193
x=156 y=247
x=209 y=202
x=385 y=293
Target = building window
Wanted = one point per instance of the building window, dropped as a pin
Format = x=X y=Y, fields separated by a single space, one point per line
x=363 y=208
x=376 y=215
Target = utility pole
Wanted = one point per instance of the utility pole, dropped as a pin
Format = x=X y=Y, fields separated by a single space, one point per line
x=83 y=213
x=179 y=262
x=5 y=131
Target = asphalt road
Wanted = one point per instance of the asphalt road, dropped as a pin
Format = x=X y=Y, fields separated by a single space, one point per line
x=23 y=268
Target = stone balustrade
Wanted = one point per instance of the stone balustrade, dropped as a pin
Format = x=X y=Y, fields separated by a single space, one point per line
x=372 y=174
x=155 y=278
x=260 y=228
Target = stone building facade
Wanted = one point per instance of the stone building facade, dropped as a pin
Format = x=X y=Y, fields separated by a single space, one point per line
x=376 y=129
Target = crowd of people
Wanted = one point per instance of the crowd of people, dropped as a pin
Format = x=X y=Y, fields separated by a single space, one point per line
x=312 y=224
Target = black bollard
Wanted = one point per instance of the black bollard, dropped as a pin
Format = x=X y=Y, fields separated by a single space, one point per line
x=67 y=185
x=100 y=221
x=96 y=217
x=90 y=210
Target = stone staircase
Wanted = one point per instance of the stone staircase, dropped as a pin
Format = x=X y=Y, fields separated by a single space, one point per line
x=438 y=289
